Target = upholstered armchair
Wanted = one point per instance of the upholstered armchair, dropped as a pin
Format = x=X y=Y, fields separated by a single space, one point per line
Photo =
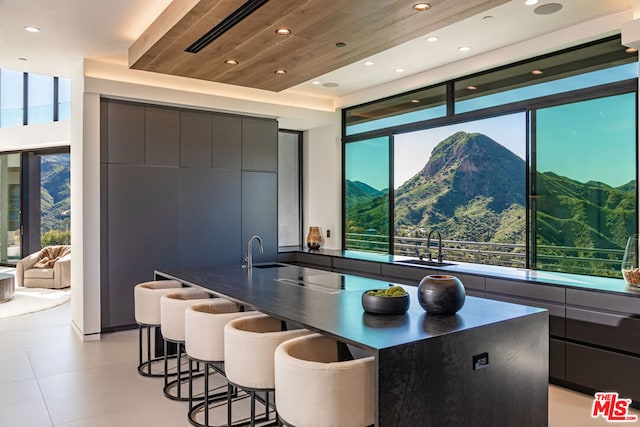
x=50 y=267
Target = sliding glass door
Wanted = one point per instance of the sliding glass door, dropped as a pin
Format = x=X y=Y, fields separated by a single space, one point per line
x=10 y=208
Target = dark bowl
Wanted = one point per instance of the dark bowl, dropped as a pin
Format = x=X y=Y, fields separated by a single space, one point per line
x=385 y=305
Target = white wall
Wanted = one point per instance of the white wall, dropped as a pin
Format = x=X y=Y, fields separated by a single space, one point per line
x=42 y=135
x=322 y=182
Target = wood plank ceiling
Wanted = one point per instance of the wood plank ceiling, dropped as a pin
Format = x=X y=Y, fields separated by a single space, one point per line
x=365 y=27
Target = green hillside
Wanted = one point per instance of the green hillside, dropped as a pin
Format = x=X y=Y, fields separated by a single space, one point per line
x=472 y=189
x=55 y=192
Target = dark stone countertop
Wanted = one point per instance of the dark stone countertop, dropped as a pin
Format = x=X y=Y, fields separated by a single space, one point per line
x=573 y=281
x=331 y=303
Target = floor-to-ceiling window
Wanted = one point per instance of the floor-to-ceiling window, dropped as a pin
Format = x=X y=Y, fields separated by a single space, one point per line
x=10 y=208
x=289 y=188
x=530 y=165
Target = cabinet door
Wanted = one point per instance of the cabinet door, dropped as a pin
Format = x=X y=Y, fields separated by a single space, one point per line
x=142 y=218
x=226 y=134
x=209 y=217
x=123 y=133
x=162 y=137
x=260 y=213
x=195 y=139
x=259 y=144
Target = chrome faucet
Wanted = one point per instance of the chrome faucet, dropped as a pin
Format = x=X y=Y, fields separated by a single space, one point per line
x=440 y=253
x=250 y=250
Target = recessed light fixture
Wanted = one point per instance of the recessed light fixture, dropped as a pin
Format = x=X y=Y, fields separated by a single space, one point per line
x=530 y=2
x=415 y=101
x=280 y=72
x=399 y=70
x=547 y=9
x=31 y=29
x=537 y=72
x=340 y=44
x=368 y=63
x=315 y=82
x=631 y=50
x=22 y=59
x=421 y=7
x=472 y=87
x=432 y=39
x=487 y=17
x=283 y=31
x=464 y=48
x=231 y=62
x=330 y=84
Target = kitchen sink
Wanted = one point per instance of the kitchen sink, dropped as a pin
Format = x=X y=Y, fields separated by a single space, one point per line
x=425 y=262
x=271 y=265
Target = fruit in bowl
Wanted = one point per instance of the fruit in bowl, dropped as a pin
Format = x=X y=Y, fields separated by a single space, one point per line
x=392 y=300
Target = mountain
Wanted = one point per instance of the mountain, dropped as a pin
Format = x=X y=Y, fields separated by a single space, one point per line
x=473 y=189
x=368 y=206
x=470 y=189
x=55 y=192
x=591 y=214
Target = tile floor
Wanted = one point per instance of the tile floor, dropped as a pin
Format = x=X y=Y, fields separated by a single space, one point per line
x=48 y=377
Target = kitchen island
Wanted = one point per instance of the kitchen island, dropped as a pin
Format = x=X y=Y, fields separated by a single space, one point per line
x=485 y=366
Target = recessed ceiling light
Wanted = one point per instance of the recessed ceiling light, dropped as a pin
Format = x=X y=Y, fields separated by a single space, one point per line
x=487 y=17
x=315 y=82
x=472 y=87
x=415 y=101
x=420 y=7
x=531 y=2
x=399 y=70
x=32 y=29
x=432 y=39
x=537 y=72
x=331 y=84
x=340 y=44
x=464 y=48
x=231 y=62
x=631 y=50
x=22 y=59
x=280 y=72
x=283 y=31
x=368 y=63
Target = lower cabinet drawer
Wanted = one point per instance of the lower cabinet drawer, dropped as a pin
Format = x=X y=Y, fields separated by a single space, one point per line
x=556 y=312
x=603 y=370
x=604 y=329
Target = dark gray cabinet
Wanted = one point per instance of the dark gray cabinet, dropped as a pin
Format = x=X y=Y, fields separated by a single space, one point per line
x=173 y=195
x=142 y=233
x=260 y=213
x=209 y=217
x=162 y=137
x=195 y=139
x=122 y=132
x=227 y=141
x=259 y=144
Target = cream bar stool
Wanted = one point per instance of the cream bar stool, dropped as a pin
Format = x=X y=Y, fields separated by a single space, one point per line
x=146 y=298
x=314 y=388
x=204 y=342
x=249 y=344
x=172 y=309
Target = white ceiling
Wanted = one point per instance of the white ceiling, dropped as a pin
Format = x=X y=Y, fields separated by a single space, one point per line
x=104 y=30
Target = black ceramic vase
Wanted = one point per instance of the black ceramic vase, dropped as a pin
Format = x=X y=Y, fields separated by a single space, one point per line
x=441 y=294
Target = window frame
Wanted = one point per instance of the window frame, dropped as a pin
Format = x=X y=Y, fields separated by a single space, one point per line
x=528 y=106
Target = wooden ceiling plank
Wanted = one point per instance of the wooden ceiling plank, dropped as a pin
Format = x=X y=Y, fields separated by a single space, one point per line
x=366 y=26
